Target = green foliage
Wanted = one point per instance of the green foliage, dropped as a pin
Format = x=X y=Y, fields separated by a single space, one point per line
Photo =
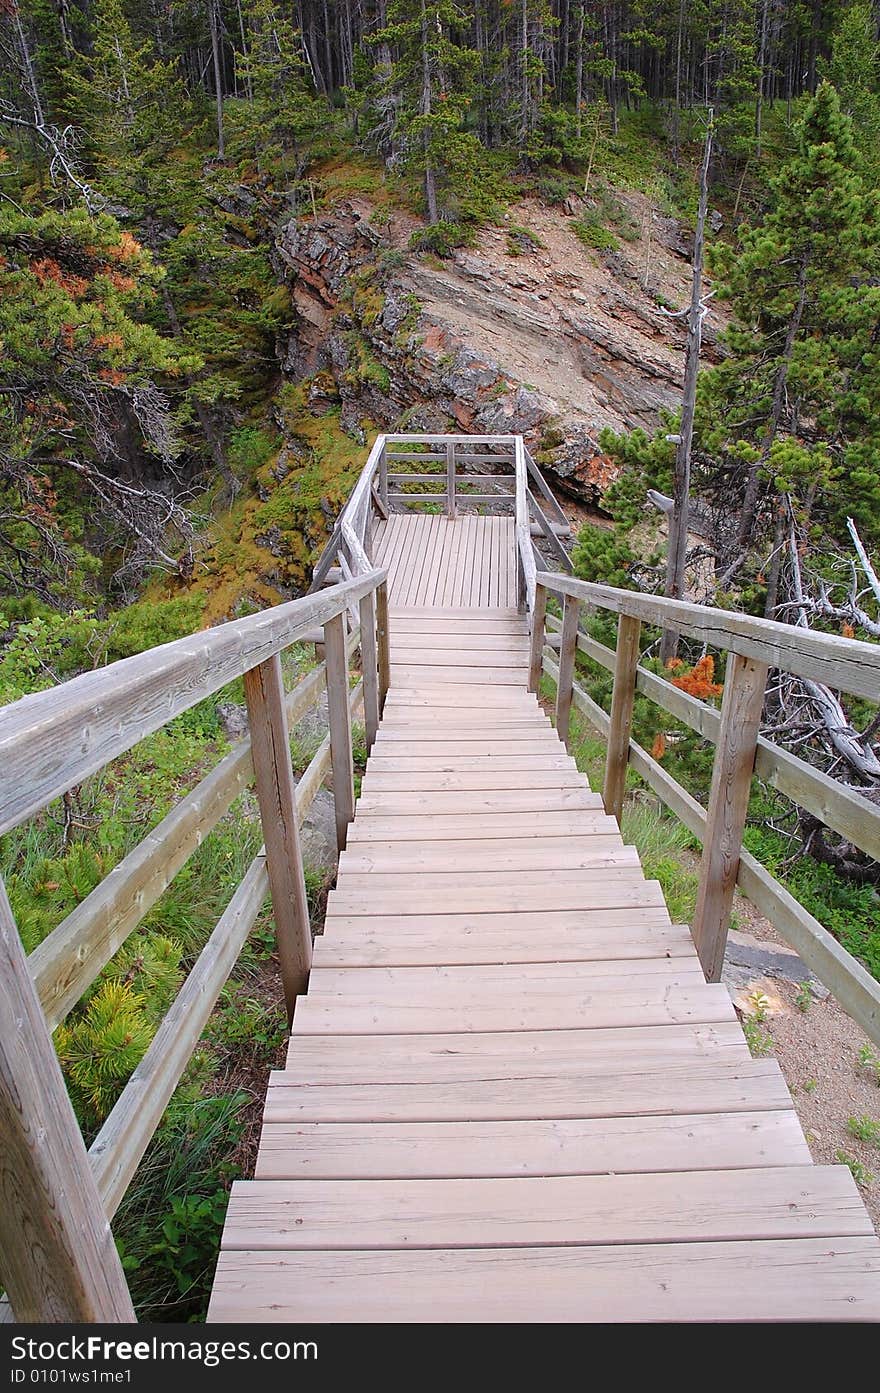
x=860 y=1173
x=866 y=1128
x=760 y=1043
x=601 y=554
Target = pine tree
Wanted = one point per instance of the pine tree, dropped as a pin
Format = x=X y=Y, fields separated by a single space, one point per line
x=797 y=286
x=854 y=69
x=430 y=83
x=280 y=113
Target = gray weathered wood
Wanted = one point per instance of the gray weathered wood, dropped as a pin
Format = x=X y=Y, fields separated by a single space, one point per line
x=270 y=749
x=450 y=479
x=852 y=985
x=567 y=651
x=838 y=806
x=383 y=643
x=125 y=1135
x=54 y=739
x=65 y=964
x=552 y=506
x=58 y=1261
x=340 y=727
x=536 y=647
x=845 y=664
x=626 y=662
x=369 y=667
x=744 y=685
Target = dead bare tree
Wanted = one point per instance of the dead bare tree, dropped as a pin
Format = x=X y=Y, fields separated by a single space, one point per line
x=678 y=514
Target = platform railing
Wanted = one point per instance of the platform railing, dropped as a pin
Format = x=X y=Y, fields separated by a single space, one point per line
x=754 y=647
x=453 y=473
x=58 y=1261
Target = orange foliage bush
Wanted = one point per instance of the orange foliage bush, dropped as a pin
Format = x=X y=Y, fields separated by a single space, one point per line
x=699 y=681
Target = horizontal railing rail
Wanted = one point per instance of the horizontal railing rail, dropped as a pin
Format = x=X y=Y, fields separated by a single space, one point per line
x=756 y=645
x=57 y=1257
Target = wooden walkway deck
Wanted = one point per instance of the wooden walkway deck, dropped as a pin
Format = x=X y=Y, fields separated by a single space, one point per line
x=445 y=563
x=510 y=1095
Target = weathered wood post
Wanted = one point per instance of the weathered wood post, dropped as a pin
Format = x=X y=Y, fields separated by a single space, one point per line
x=744 y=685
x=536 y=649
x=567 y=649
x=270 y=746
x=450 y=478
x=58 y=1260
x=369 y=664
x=383 y=478
x=383 y=641
x=340 y=726
x=626 y=662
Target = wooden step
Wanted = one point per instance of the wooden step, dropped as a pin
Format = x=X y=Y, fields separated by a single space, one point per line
x=395 y=1059
x=614 y=887
x=401 y=828
x=783 y=1279
x=515 y=854
x=486 y=802
x=408 y=781
x=582 y=1146
x=646 y=1086
x=680 y=1207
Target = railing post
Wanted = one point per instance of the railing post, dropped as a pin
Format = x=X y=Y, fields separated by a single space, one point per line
x=450 y=478
x=744 y=685
x=536 y=651
x=340 y=726
x=270 y=746
x=626 y=661
x=58 y=1261
x=568 y=647
x=383 y=642
x=383 y=478
x=369 y=664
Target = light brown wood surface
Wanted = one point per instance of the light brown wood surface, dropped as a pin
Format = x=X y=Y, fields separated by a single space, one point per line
x=508 y=1057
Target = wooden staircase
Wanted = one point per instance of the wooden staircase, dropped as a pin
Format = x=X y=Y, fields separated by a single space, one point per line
x=510 y=1094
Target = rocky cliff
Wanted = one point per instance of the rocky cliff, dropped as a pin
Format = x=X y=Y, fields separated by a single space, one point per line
x=529 y=331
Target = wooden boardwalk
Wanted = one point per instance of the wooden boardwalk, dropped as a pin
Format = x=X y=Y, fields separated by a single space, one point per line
x=510 y=1094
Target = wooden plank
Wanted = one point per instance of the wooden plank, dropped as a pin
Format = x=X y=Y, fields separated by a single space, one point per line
x=560 y=853
x=745 y=682
x=460 y=640
x=676 y=1086
x=400 y=1059
x=56 y=738
x=658 y=1002
x=413 y=827
x=620 y=726
x=270 y=749
x=463 y=763
x=339 y=719
x=536 y=647
x=485 y=801
x=59 y=1259
x=522 y=1211
x=116 y=1151
x=843 y=663
x=383 y=650
x=439 y=1150
x=510 y=779
x=806 y=1279
x=371 y=945
x=409 y=655
x=570 y=617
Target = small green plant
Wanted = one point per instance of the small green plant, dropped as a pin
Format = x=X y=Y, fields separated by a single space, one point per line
x=866 y=1128
x=521 y=240
x=758 y=1040
x=594 y=235
x=860 y=1174
x=870 y=1059
x=759 y=1004
x=811 y=1085
x=804 y=997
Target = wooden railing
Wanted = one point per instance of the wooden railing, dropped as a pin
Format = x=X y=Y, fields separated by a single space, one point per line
x=755 y=646
x=451 y=470
x=58 y=1261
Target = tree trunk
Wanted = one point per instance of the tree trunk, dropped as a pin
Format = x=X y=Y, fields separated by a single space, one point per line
x=678 y=518
x=430 y=180
x=218 y=75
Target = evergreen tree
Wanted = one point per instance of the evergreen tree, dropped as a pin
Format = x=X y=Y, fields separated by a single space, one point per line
x=798 y=284
x=280 y=114
x=854 y=69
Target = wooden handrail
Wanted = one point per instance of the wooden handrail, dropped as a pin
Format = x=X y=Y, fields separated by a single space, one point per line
x=54 y=739
x=740 y=751
x=847 y=664
x=109 y=711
